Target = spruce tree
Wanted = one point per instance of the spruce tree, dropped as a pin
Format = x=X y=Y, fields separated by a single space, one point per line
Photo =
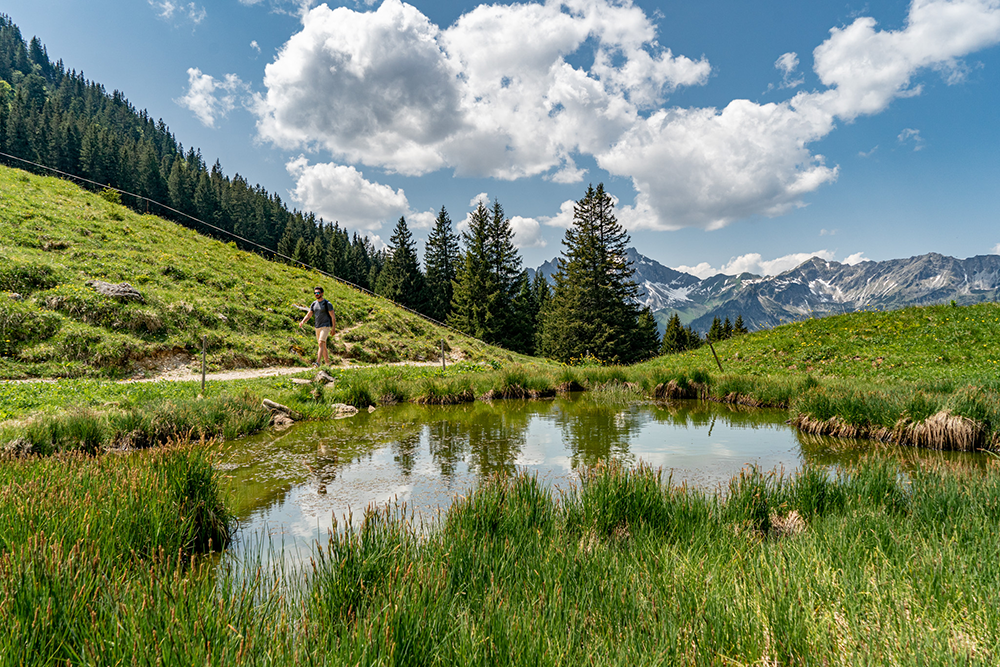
x=693 y=339
x=739 y=328
x=317 y=254
x=715 y=332
x=675 y=339
x=400 y=278
x=475 y=290
x=505 y=264
x=542 y=296
x=525 y=317
x=647 y=337
x=441 y=257
x=727 y=329
x=593 y=307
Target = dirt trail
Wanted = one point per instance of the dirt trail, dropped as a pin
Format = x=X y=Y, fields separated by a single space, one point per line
x=184 y=368
x=186 y=374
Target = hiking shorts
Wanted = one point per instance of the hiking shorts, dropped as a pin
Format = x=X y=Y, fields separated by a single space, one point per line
x=322 y=333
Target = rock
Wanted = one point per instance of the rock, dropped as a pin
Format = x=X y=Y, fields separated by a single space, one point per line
x=341 y=410
x=122 y=291
x=324 y=377
x=223 y=317
x=281 y=421
x=301 y=381
x=14 y=296
x=371 y=409
x=278 y=408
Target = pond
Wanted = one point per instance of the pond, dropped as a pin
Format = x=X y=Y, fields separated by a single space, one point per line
x=292 y=485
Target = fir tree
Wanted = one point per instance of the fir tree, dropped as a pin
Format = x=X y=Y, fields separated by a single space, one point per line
x=441 y=257
x=675 y=339
x=525 y=317
x=727 y=329
x=400 y=278
x=647 y=337
x=505 y=265
x=542 y=296
x=739 y=328
x=715 y=332
x=593 y=307
x=475 y=290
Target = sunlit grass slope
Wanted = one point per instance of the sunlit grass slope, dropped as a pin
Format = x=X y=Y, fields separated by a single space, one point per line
x=56 y=237
x=928 y=343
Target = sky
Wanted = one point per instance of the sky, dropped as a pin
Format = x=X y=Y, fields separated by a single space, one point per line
x=734 y=136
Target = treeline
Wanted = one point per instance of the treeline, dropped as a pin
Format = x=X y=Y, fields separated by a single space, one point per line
x=678 y=338
x=475 y=282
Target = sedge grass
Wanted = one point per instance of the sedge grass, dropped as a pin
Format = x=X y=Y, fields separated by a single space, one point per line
x=888 y=565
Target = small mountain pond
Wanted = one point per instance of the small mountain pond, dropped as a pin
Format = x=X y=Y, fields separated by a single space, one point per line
x=291 y=484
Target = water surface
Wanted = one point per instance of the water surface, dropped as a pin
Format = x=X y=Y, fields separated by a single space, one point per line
x=293 y=485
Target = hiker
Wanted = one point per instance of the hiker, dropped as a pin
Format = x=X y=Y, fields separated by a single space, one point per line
x=326 y=324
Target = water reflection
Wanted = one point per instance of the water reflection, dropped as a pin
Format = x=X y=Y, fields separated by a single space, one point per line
x=293 y=484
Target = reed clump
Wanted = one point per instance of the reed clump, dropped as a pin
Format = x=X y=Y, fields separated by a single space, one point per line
x=623 y=568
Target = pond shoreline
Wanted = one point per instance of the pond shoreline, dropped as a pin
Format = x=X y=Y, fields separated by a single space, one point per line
x=964 y=417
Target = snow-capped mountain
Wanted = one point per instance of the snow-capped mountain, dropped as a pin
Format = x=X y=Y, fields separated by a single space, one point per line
x=815 y=288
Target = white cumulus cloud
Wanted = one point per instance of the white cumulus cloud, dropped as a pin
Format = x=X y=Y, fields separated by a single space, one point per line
x=492 y=95
x=211 y=99
x=500 y=93
x=527 y=232
x=341 y=194
x=708 y=168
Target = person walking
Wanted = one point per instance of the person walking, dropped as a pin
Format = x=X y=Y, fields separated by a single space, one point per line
x=325 y=323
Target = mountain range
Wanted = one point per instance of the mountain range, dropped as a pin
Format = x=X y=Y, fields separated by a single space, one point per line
x=815 y=288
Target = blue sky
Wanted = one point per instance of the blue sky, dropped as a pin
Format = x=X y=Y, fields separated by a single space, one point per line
x=735 y=136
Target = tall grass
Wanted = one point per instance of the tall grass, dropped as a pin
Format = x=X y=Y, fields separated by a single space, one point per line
x=624 y=569
x=88 y=431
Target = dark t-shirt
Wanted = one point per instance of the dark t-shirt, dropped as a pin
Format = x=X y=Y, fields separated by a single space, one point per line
x=321 y=313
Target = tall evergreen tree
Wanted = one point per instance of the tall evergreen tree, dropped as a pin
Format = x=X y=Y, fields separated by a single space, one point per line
x=400 y=279
x=542 y=296
x=715 y=332
x=441 y=257
x=475 y=290
x=525 y=323
x=739 y=328
x=674 y=336
x=505 y=265
x=647 y=337
x=594 y=304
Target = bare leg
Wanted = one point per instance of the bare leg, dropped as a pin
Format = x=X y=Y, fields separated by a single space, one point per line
x=322 y=353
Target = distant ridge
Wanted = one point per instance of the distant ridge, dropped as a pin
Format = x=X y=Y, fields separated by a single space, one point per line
x=815 y=288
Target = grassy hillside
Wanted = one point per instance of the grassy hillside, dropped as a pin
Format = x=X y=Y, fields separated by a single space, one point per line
x=56 y=237
x=926 y=344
